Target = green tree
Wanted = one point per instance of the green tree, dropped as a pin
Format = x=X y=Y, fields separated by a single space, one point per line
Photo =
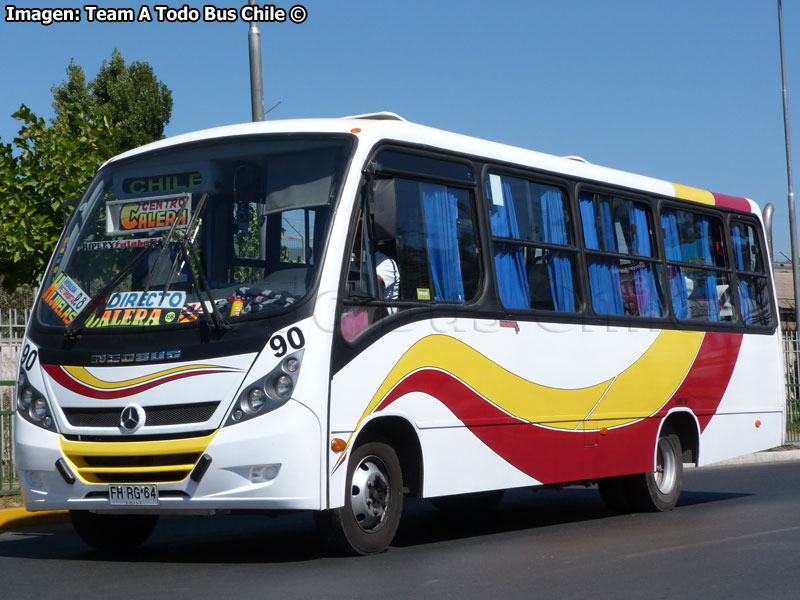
x=140 y=105
x=46 y=165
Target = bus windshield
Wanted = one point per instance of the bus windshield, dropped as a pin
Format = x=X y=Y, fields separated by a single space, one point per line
x=231 y=228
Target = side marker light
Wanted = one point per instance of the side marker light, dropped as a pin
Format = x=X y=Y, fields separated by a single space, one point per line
x=338 y=444
x=758 y=423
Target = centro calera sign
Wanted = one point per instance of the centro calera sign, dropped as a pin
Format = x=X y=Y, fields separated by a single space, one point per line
x=155 y=213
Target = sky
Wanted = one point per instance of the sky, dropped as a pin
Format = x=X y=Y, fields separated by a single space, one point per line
x=683 y=90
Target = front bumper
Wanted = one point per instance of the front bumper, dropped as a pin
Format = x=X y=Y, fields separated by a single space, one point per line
x=270 y=462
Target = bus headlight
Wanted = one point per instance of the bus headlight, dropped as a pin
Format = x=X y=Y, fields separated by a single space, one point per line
x=268 y=393
x=256 y=398
x=25 y=398
x=283 y=385
x=38 y=409
x=32 y=405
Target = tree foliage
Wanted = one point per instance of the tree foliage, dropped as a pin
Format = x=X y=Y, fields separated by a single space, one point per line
x=46 y=165
x=140 y=105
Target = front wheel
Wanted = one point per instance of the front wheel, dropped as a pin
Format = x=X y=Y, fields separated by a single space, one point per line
x=368 y=521
x=659 y=491
x=112 y=532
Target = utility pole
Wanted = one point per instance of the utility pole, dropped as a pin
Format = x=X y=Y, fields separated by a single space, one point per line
x=792 y=220
x=256 y=75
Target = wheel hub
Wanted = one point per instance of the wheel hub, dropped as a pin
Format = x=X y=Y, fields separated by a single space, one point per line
x=370 y=494
x=666 y=467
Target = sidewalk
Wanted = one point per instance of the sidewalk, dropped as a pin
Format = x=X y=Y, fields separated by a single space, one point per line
x=19 y=517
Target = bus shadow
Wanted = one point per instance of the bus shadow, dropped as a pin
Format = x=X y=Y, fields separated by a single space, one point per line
x=251 y=539
x=520 y=510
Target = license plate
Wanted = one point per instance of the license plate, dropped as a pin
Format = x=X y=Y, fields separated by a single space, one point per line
x=137 y=495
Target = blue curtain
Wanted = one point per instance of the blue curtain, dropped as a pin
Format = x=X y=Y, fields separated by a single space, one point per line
x=559 y=266
x=509 y=261
x=441 y=215
x=609 y=243
x=744 y=288
x=672 y=249
x=644 y=277
x=589 y=228
x=603 y=273
x=710 y=283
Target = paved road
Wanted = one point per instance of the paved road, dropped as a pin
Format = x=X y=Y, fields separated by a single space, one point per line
x=736 y=534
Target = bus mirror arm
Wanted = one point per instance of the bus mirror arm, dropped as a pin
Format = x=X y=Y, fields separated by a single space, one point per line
x=69 y=202
x=381 y=204
x=384 y=209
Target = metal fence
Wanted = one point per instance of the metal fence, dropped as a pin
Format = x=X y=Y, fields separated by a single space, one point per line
x=791 y=347
x=12 y=329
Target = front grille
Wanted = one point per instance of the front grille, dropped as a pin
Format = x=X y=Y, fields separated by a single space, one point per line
x=162 y=461
x=171 y=414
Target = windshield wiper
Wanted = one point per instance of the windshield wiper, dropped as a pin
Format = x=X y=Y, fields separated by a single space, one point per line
x=166 y=241
x=188 y=256
x=76 y=326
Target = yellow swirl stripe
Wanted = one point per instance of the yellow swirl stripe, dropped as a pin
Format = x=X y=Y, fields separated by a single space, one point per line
x=636 y=392
x=644 y=387
x=84 y=376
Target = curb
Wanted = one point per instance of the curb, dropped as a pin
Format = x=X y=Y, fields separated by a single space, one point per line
x=19 y=517
x=763 y=457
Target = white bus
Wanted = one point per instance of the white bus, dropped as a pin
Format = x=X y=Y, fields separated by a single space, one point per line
x=331 y=314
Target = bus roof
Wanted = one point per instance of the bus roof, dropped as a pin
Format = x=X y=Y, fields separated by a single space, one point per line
x=374 y=127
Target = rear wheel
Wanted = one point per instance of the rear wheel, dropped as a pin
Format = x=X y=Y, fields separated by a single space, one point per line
x=368 y=521
x=659 y=490
x=112 y=532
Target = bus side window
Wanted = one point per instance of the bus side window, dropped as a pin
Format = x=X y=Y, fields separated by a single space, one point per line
x=433 y=257
x=534 y=251
x=621 y=255
x=753 y=281
x=698 y=276
x=435 y=246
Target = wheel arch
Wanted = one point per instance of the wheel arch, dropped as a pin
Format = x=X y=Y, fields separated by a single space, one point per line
x=683 y=423
x=402 y=436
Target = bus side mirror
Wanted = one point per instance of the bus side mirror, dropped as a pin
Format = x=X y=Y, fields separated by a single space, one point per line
x=70 y=202
x=384 y=210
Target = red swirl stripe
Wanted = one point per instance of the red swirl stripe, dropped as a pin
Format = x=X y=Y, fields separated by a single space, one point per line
x=550 y=455
x=62 y=377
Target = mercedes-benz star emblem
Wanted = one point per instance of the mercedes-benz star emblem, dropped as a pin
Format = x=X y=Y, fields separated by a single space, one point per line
x=131 y=418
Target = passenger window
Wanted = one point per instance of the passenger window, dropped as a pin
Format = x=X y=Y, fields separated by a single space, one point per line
x=753 y=282
x=433 y=256
x=624 y=273
x=534 y=253
x=696 y=266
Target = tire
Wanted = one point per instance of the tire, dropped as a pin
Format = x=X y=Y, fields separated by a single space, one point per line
x=113 y=533
x=373 y=505
x=659 y=491
x=475 y=502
